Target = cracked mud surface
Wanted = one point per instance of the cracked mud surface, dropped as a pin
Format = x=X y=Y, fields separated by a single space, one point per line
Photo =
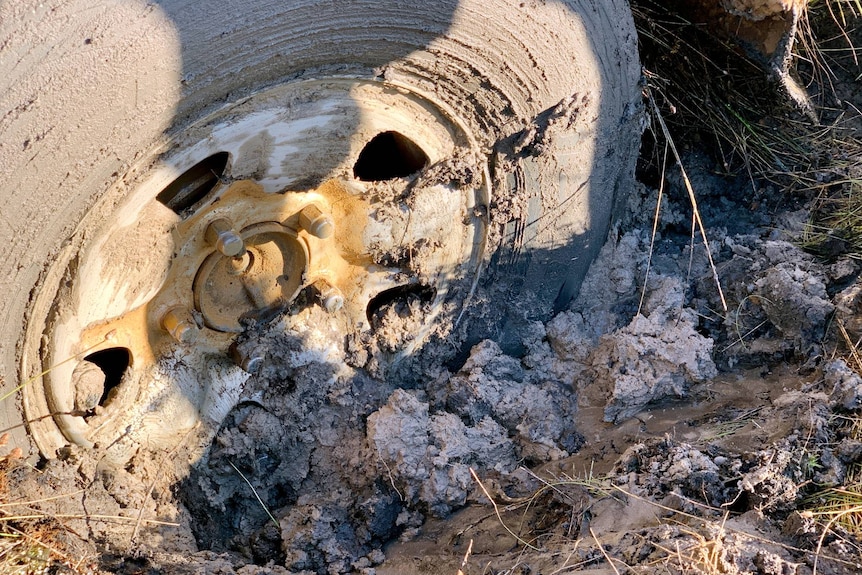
x=640 y=423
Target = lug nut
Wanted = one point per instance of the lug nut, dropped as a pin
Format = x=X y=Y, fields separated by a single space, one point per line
x=315 y=222
x=226 y=240
x=249 y=360
x=330 y=296
x=178 y=322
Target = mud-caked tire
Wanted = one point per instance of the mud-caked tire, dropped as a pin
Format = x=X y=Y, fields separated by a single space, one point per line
x=94 y=94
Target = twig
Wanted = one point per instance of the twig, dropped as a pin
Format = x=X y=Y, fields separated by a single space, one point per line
x=108 y=337
x=739 y=335
x=253 y=490
x=466 y=558
x=83 y=516
x=826 y=529
x=691 y=196
x=498 y=514
x=654 y=229
x=605 y=553
x=566 y=565
x=853 y=351
x=44 y=499
x=391 y=478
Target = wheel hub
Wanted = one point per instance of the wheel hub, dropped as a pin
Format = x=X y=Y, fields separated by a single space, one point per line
x=265 y=277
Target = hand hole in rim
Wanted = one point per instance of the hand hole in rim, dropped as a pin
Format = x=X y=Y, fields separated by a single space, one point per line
x=387 y=156
x=398 y=298
x=194 y=184
x=93 y=389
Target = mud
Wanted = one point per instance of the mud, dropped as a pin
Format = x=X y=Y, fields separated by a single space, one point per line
x=641 y=426
x=645 y=426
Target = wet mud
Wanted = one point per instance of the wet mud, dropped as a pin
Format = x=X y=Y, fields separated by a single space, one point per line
x=642 y=426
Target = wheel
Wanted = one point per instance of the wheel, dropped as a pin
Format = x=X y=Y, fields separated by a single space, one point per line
x=178 y=172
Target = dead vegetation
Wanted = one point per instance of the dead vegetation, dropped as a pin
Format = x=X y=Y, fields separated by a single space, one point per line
x=716 y=95
x=838 y=509
x=33 y=542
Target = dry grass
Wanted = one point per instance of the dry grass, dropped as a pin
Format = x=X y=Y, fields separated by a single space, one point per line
x=697 y=222
x=836 y=228
x=701 y=554
x=749 y=121
x=838 y=510
x=841 y=506
x=677 y=542
x=32 y=543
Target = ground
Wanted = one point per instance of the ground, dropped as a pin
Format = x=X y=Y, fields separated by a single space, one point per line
x=678 y=418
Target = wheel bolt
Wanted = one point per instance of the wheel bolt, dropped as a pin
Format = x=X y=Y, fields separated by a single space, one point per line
x=249 y=360
x=241 y=264
x=315 y=222
x=226 y=240
x=178 y=322
x=329 y=295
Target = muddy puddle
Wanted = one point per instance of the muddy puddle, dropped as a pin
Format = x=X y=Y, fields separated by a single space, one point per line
x=731 y=411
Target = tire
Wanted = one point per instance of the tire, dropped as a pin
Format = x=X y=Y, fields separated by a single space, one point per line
x=102 y=101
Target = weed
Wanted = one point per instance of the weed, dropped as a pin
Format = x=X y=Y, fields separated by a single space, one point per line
x=810 y=463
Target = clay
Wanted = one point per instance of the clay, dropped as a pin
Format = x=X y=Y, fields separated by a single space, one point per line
x=647 y=361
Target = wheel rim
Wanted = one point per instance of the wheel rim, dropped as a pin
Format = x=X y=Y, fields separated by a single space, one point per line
x=342 y=193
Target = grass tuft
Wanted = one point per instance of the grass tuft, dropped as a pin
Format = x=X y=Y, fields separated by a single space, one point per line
x=715 y=95
x=841 y=506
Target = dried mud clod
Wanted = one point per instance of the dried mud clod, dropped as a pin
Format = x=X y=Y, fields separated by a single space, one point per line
x=650 y=360
x=321 y=463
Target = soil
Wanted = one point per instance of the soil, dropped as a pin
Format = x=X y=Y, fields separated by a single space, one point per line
x=663 y=422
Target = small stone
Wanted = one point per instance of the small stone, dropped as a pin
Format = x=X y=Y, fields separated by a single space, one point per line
x=89 y=382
